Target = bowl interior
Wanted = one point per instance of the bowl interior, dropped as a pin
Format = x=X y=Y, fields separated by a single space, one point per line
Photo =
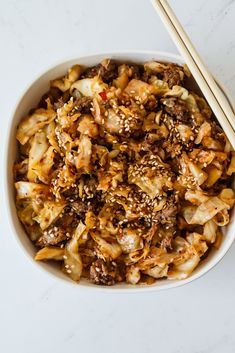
x=29 y=100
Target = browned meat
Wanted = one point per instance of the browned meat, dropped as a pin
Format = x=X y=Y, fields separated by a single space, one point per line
x=91 y=186
x=173 y=75
x=52 y=236
x=145 y=76
x=90 y=196
x=72 y=193
x=167 y=215
x=68 y=221
x=53 y=94
x=91 y=71
x=172 y=149
x=61 y=230
x=149 y=143
x=177 y=108
x=136 y=71
x=79 y=207
x=83 y=105
x=103 y=273
x=59 y=103
x=166 y=236
x=151 y=232
x=151 y=103
x=107 y=70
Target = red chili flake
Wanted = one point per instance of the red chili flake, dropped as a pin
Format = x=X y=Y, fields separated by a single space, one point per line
x=103 y=95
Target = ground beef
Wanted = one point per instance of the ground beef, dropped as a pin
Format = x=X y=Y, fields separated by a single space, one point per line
x=151 y=103
x=52 y=236
x=149 y=234
x=136 y=71
x=107 y=71
x=59 y=104
x=168 y=235
x=61 y=230
x=71 y=194
x=167 y=216
x=53 y=94
x=79 y=207
x=173 y=75
x=103 y=273
x=172 y=150
x=83 y=105
x=91 y=185
x=91 y=71
x=92 y=198
x=150 y=143
x=145 y=76
x=176 y=108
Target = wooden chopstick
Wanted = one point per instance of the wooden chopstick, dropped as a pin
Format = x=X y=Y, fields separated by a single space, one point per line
x=206 y=83
x=196 y=57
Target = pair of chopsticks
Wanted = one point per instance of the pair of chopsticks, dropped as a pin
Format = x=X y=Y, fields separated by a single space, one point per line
x=215 y=98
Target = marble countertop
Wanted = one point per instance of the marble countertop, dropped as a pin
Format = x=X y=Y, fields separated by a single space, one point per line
x=38 y=314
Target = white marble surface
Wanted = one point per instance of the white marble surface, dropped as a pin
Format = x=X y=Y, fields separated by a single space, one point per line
x=37 y=314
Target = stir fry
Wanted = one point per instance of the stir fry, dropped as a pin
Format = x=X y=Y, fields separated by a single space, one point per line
x=124 y=174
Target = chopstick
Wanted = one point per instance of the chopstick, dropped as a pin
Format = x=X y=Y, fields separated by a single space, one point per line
x=205 y=81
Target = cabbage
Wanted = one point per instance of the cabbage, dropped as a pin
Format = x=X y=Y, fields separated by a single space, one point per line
x=89 y=87
x=199 y=175
x=152 y=181
x=110 y=250
x=87 y=126
x=204 y=130
x=27 y=190
x=231 y=168
x=129 y=240
x=139 y=89
x=50 y=253
x=34 y=122
x=154 y=67
x=206 y=211
x=82 y=161
x=132 y=274
x=123 y=77
x=177 y=91
x=184 y=269
x=159 y=87
x=213 y=175
x=196 y=196
x=38 y=148
x=25 y=212
x=209 y=232
x=157 y=272
x=228 y=196
x=64 y=83
x=72 y=258
x=199 y=245
x=49 y=213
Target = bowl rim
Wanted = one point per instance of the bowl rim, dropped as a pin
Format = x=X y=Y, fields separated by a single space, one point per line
x=83 y=286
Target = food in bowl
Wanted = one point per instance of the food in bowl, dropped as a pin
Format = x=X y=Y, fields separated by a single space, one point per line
x=123 y=174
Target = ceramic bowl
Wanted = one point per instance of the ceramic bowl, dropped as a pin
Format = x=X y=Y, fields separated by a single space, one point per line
x=29 y=99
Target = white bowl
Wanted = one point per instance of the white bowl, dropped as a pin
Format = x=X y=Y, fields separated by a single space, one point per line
x=30 y=99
